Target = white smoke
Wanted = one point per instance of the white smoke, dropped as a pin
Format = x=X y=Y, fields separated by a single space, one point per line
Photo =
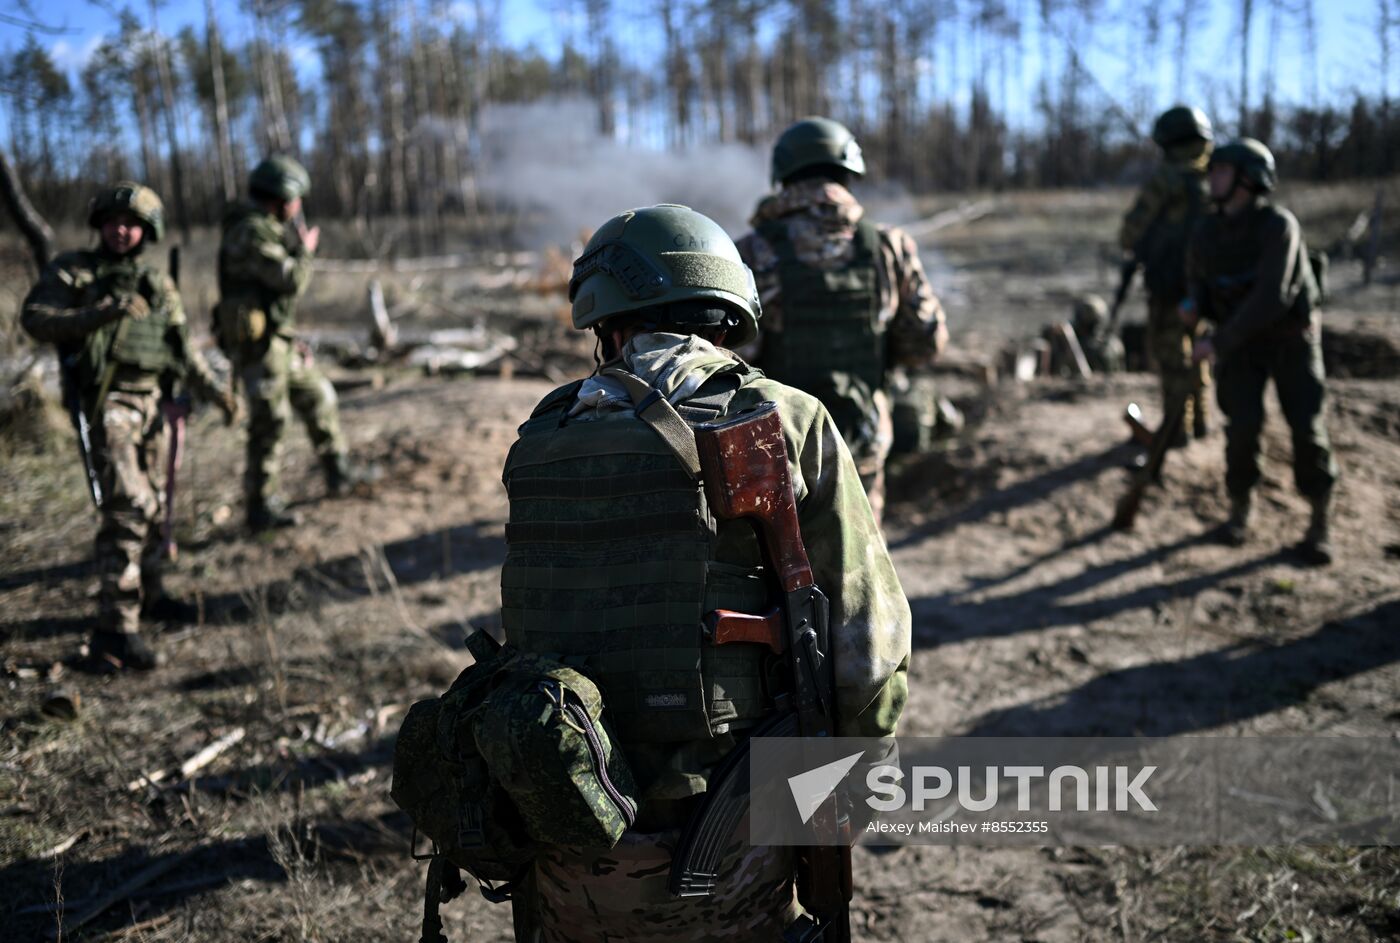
x=549 y=160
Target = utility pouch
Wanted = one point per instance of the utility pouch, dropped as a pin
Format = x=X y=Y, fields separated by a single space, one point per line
x=238 y=325
x=542 y=733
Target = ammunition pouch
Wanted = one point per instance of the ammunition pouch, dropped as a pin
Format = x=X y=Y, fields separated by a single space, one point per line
x=239 y=325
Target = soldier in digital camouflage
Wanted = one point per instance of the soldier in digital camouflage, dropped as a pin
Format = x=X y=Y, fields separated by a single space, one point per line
x=844 y=299
x=1253 y=278
x=265 y=262
x=121 y=334
x=1155 y=232
x=613 y=559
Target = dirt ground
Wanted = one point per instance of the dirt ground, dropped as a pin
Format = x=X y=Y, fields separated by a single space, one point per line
x=1031 y=618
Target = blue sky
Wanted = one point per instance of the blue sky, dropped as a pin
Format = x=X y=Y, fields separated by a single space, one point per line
x=1348 y=50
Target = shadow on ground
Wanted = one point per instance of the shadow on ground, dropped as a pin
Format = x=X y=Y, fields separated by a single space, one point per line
x=1216 y=688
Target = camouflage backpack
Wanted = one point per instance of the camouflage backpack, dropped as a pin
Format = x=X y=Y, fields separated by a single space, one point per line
x=515 y=754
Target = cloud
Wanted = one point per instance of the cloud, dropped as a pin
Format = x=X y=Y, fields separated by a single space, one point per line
x=70 y=57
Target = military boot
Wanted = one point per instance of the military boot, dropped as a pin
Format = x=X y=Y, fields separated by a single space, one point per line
x=270 y=515
x=1235 y=531
x=116 y=651
x=343 y=476
x=1316 y=548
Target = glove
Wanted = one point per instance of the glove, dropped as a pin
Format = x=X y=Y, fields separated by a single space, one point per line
x=135 y=307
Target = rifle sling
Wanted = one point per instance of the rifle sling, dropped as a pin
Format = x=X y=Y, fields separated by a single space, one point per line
x=656 y=411
x=109 y=369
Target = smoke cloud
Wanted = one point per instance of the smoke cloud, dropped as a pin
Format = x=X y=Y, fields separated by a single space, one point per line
x=548 y=160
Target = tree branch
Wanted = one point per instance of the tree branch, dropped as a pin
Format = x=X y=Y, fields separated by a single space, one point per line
x=35 y=228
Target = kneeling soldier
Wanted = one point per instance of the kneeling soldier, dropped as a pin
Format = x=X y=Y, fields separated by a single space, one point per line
x=120 y=331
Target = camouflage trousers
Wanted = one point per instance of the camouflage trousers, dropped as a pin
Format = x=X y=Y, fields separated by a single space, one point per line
x=1170 y=344
x=622 y=895
x=129 y=451
x=282 y=381
x=870 y=457
x=1294 y=361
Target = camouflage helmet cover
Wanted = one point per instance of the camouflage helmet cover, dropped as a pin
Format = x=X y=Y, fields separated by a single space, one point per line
x=128 y=196
x=279 y=176
x=660 y=255
x=815 y=141
x=1090 y=311
x=1253 y=161
x=1181 y=124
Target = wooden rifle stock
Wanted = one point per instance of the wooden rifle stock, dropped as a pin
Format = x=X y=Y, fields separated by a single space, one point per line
x=744 y=464
x=1125 y=514
x=746 y=475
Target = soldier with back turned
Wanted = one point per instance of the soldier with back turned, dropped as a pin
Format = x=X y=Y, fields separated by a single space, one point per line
x=1155 y=232
x=844 y=299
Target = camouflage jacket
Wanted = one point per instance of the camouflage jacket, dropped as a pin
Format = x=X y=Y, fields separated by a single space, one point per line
x=76 y=306
x=262 y=265
x=1161 y=196
x=870 y=619
x=821 y=218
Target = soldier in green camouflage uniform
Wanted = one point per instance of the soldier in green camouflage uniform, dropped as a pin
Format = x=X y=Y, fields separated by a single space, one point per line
x=264 y=266
x=844 y=300
x=120 y=331
x=1103 y=349
x=1155 y=231
x=1253 y=279
x=613 y=558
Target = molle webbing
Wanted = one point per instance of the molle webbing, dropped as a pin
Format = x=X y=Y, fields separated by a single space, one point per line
x=140 y=345
x=611 y=558
x=144 y=344
x=831 y=318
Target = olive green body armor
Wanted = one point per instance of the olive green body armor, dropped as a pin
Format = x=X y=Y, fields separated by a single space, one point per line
x=613 y=557
x=141 y=346
x=832 y=344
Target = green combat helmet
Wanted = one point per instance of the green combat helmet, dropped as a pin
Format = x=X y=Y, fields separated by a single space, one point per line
x=1180 y=125
x=280 y=177
x=814 y=141
x=660 y=255
x=1253 y=161
x=127 y=196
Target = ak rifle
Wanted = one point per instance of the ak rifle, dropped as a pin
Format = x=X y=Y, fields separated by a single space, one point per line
x=1125 y=514
x=743 y=461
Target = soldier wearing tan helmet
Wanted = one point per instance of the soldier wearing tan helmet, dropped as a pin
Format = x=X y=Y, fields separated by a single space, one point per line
x=844 y=299
x=265 y=263
x=121 y=334
x=1155 y=232
x=1255 y=282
